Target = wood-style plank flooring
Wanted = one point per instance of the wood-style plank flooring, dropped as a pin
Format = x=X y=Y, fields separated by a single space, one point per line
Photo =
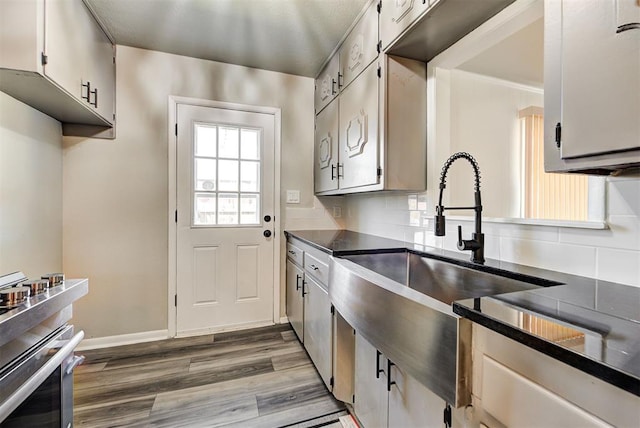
x=253 y=378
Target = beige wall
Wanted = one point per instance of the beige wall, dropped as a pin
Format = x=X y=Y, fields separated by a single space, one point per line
x=116 y=191
x=30 y=190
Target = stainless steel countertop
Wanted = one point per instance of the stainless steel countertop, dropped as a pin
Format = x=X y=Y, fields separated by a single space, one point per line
x=40 y=307
x=605 y=313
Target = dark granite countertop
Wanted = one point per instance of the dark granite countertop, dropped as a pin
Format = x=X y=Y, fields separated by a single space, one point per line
x=590 y=324
x=336 y=242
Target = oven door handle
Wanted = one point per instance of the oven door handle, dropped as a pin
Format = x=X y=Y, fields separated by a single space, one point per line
x=75 y=362
x=27 y=388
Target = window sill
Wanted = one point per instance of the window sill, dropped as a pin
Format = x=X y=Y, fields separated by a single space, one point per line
x=595 y=225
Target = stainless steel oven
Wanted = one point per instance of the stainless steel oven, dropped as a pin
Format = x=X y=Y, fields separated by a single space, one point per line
x=37 y=388
x=37 y=355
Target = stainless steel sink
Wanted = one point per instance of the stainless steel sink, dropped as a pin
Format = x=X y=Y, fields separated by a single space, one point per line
x=401 y=303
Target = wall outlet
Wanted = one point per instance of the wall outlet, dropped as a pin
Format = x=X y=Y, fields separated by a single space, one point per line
x=337 y=212
x=293 y=196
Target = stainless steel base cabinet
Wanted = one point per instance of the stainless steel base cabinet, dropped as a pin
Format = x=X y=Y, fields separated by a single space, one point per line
x=386 y=396
x=295 y=308
x=318 y=328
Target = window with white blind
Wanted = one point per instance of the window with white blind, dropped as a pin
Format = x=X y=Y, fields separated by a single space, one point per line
x=548 y=196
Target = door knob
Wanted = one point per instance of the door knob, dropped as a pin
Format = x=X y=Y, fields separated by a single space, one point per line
x=267 y=218
x=267 y=233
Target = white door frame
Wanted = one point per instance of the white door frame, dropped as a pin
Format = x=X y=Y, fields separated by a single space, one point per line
x=173 y=230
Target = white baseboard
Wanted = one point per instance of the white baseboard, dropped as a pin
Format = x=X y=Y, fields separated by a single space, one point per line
x=284 y=320
x=122 y=339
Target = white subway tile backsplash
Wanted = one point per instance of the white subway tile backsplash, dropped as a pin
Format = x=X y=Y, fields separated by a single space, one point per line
x=523 y=231
x=612 y=254
x=623 y=233
x=573 y=259
x=619 y=266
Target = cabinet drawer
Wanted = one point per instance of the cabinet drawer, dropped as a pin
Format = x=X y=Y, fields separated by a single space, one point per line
x=295 y=254
x=318 y=269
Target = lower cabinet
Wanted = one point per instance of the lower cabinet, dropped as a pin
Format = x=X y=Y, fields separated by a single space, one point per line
x=371 y=402
x=515 y=386
x=309 y=309
x=386 y=396
x=295 y=312
x=318 y=328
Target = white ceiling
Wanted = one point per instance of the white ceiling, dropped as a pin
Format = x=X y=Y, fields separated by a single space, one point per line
x=290 y=36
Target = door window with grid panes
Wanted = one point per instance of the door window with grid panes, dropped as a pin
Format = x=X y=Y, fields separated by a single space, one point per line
x=226 y=175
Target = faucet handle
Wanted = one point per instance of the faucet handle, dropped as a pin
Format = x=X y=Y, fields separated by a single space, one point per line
x=439 y=223
x=461 y=245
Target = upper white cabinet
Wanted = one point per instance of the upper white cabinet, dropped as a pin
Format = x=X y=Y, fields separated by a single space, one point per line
x=327 y=168
x=592 y=85
x=373 y=136
x=397 y=15
x=55 y=57
x=361 y=47
x=327 y=83
x=358 y=131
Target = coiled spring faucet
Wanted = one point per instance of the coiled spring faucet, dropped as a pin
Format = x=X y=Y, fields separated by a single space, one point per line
x=476 y=244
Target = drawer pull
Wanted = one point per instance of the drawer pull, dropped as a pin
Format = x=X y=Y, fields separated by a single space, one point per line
x=314 y=267
x=293 y=253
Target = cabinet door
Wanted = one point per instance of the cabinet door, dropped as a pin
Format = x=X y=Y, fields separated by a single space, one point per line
x=411 y=404
x=361 y=46
x=371 y=397
x=67 y=46
x=325 y=166
x=358 y=137
x=600 y=78
x=327 y=83
x=102 y=73
x=295 y=312
x=397 y=15
x=317 y=328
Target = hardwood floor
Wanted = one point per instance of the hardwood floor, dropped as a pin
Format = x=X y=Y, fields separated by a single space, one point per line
x=253 y=378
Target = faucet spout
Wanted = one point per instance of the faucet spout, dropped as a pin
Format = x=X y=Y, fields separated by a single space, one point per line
x=476 y=243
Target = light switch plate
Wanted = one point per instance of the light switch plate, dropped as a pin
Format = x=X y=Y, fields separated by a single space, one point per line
x=293 y=196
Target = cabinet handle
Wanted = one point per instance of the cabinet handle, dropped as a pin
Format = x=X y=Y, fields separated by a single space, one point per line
x=314 y=267
x=298 y=282
x=558 y=138
x=627 y=27
x=340 y=175
x=378 y=369
x=304 y=293
x=333 y=170
x=333 y=87
x=95 y=98
x=340 y=80
x=389 y=382
x=293 y=253
x=88 y=97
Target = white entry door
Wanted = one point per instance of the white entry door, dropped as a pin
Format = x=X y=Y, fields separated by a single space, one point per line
x=225 y=199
